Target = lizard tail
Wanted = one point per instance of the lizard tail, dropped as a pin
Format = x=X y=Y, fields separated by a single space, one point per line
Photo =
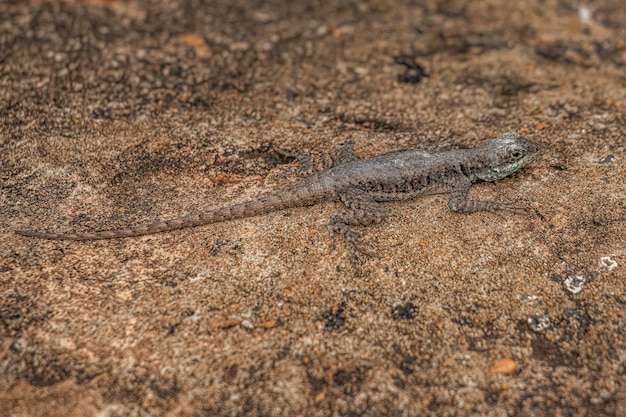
x=293 y=197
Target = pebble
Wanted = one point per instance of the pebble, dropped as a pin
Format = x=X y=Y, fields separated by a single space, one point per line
x=504 y=366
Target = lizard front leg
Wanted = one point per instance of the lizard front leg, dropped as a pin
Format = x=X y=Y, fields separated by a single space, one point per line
x=459 y=203
x=363 y=210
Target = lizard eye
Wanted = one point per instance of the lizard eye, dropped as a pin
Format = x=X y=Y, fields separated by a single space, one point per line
x=517 y=153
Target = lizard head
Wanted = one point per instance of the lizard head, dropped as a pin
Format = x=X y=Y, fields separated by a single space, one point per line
x=506 y=154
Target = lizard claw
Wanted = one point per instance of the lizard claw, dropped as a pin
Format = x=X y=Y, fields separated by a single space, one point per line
x=516 y=208
x=284 y=152
x=289 y=169
x=354 y=238
x=366 y=249
x=357 y=244
x=331 y=232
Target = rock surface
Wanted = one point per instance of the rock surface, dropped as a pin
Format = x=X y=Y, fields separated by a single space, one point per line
x=118 y=113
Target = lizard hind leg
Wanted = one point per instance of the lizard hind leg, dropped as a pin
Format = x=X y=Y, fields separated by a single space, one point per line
x=362 y=210
x=310 y=166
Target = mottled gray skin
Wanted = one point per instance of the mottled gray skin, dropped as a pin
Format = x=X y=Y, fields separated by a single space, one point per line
x=361 y=184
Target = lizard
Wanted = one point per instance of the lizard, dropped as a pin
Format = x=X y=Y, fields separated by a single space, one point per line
x=361 y=184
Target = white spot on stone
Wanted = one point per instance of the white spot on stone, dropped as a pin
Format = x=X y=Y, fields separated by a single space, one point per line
x=574 y=283
x=607 y=264
x=202 y=275
x=584 y=13
x=538 y=322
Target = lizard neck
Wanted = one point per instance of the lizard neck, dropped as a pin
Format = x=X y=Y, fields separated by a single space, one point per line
x=471 y=163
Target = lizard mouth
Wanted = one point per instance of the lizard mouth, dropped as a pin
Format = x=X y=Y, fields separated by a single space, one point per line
x=505 y=170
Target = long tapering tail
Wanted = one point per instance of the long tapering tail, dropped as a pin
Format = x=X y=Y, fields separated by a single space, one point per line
x=292 y=197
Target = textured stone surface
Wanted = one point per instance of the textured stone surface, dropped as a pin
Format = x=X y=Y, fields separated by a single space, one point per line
x=122 y=113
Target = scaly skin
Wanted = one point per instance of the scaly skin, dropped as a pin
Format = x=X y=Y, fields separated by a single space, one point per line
x=361 y=184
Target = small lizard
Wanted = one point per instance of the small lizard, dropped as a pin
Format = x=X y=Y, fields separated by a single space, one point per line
x=361 y=184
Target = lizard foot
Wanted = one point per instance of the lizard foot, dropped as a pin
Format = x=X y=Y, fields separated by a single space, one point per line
x=354 y=238
x=458 y=203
